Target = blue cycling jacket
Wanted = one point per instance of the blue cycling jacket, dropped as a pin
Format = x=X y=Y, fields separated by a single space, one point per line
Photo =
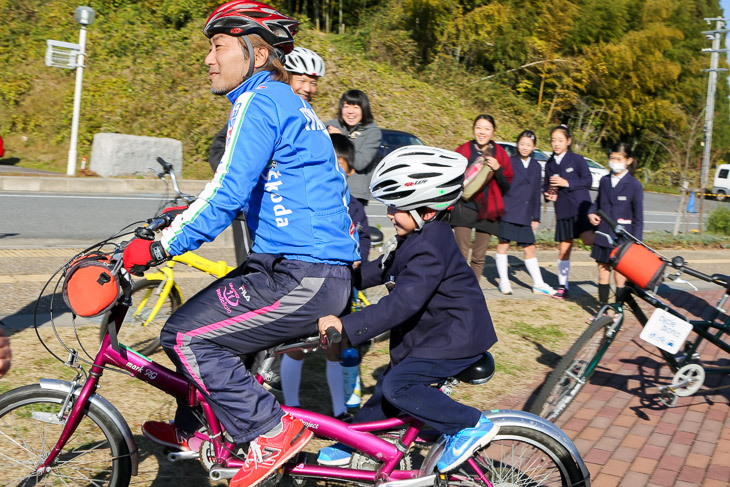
x=280 y=168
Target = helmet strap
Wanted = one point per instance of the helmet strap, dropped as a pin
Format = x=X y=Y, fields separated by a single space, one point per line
x=417 y=218
x=251 y=60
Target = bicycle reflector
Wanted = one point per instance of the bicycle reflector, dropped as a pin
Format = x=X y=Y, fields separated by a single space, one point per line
x=639 y=264
x=90 y=289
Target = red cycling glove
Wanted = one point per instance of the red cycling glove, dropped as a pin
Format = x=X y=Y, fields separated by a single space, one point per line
x=140 y=254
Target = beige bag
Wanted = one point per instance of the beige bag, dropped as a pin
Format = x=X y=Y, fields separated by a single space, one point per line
x=477 y=176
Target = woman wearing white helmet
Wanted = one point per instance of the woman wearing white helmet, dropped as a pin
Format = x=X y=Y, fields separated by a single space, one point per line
x=305 y=67
x=435 y=309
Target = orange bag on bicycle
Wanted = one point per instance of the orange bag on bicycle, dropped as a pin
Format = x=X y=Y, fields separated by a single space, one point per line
x=90 y=289
x=639 y=264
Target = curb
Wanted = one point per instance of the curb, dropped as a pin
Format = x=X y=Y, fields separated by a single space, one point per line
x=54 y=184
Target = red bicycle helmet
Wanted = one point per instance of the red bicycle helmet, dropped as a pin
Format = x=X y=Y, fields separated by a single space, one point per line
x=244 y=17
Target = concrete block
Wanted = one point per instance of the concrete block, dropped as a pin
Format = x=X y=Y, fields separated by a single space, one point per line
x=133 y=155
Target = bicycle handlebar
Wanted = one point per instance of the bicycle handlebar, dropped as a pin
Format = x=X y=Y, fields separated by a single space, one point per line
x=168 y=169
x=333 y=336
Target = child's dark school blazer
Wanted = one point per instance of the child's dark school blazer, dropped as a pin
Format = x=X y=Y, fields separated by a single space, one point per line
x=522 y=201
x=435 y=310
x=624 y=203
x=575 y=199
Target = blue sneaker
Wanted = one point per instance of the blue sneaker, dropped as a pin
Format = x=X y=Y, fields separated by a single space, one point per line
x=337 y=455
x=462 y=445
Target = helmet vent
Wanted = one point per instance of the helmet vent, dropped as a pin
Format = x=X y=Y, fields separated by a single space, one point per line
x=424 y=175
x=397 y=166
x=383 y=184
x=454 y=182
x=397 y=195
x=435 y=164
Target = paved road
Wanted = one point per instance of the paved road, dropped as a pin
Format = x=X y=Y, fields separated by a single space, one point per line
x=628 y=438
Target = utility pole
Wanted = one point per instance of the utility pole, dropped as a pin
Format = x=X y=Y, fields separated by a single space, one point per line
x=715 y=35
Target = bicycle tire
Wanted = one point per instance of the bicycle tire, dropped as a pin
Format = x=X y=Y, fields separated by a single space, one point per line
x=29 y=429
x=521 y=455
x=133 y=334
x=572 y=372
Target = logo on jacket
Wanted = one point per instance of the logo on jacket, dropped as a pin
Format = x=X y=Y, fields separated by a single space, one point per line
x=313 y=121
x=228 y=297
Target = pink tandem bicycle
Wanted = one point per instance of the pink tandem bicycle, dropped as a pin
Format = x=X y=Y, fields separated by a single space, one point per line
x=62 y=433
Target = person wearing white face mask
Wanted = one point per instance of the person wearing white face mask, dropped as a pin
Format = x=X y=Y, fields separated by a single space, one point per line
x=620 y=196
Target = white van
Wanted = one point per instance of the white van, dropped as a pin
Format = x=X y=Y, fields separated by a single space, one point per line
x=721 y=186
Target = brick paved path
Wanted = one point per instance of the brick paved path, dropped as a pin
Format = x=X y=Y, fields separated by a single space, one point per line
x=628 y=438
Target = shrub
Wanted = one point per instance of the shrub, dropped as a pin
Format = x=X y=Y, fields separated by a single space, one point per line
x=719 y=221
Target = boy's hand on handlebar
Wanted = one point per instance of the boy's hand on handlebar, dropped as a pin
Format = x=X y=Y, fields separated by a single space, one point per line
x=140 y=254
x=327 y=322
x=594 y=219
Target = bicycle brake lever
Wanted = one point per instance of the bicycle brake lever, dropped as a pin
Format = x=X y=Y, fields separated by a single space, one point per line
x=679 y=280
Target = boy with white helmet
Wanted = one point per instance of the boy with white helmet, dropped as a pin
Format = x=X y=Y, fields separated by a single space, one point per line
x=305 y=67
x=435 y=309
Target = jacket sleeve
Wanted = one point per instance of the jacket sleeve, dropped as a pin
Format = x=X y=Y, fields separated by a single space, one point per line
x=637 y=208
x=414 y=286
x=537 y=196
x=250 y=147
x=366 y=146
x=596 y=203
x=584 y=179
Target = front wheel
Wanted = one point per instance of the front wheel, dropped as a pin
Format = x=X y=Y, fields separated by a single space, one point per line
x=573 y=371
x=519 y=456
x=138 y=331
x=31 y=422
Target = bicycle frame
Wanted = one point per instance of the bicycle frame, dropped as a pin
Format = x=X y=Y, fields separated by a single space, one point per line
x=700 y=327
x=358 y=436
x=167 y=277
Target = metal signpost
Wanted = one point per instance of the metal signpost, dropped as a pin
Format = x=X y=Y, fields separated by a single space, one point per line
x=71 y=56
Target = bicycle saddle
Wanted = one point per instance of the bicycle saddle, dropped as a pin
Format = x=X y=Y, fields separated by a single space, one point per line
x=479 y=372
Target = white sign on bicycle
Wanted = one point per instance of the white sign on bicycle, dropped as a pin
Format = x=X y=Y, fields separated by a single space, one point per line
x=666 y=331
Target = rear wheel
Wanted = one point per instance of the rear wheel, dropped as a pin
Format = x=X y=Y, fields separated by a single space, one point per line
x=31 y=422
x=136 y=333
x=573 y=371
x=520 y=456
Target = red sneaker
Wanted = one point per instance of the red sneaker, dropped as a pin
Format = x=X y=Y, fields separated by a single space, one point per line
x=266 y=455
x=165 y=434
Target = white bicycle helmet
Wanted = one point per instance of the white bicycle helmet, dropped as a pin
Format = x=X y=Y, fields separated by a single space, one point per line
x=418 y=176
x=304 y=61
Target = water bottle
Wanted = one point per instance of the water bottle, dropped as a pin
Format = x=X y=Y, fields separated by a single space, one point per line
x=351 y=370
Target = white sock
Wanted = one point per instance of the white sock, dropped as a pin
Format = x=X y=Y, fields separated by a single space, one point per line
x=502 y=270
x=563 y=272
x=291 y=379
x=336 y=381
x=534 y=269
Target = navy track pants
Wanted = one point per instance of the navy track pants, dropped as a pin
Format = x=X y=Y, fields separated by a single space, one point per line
x=267 y=301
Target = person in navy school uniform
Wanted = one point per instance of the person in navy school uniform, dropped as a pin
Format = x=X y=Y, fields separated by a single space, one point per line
x=439 y=321
x=522 y=215
x=292 y=362
x=567 y=181
x=620 y=196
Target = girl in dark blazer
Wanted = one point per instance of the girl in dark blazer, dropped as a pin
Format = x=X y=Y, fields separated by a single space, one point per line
x=620 y=196
x=567 y=181
x=522 y=215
